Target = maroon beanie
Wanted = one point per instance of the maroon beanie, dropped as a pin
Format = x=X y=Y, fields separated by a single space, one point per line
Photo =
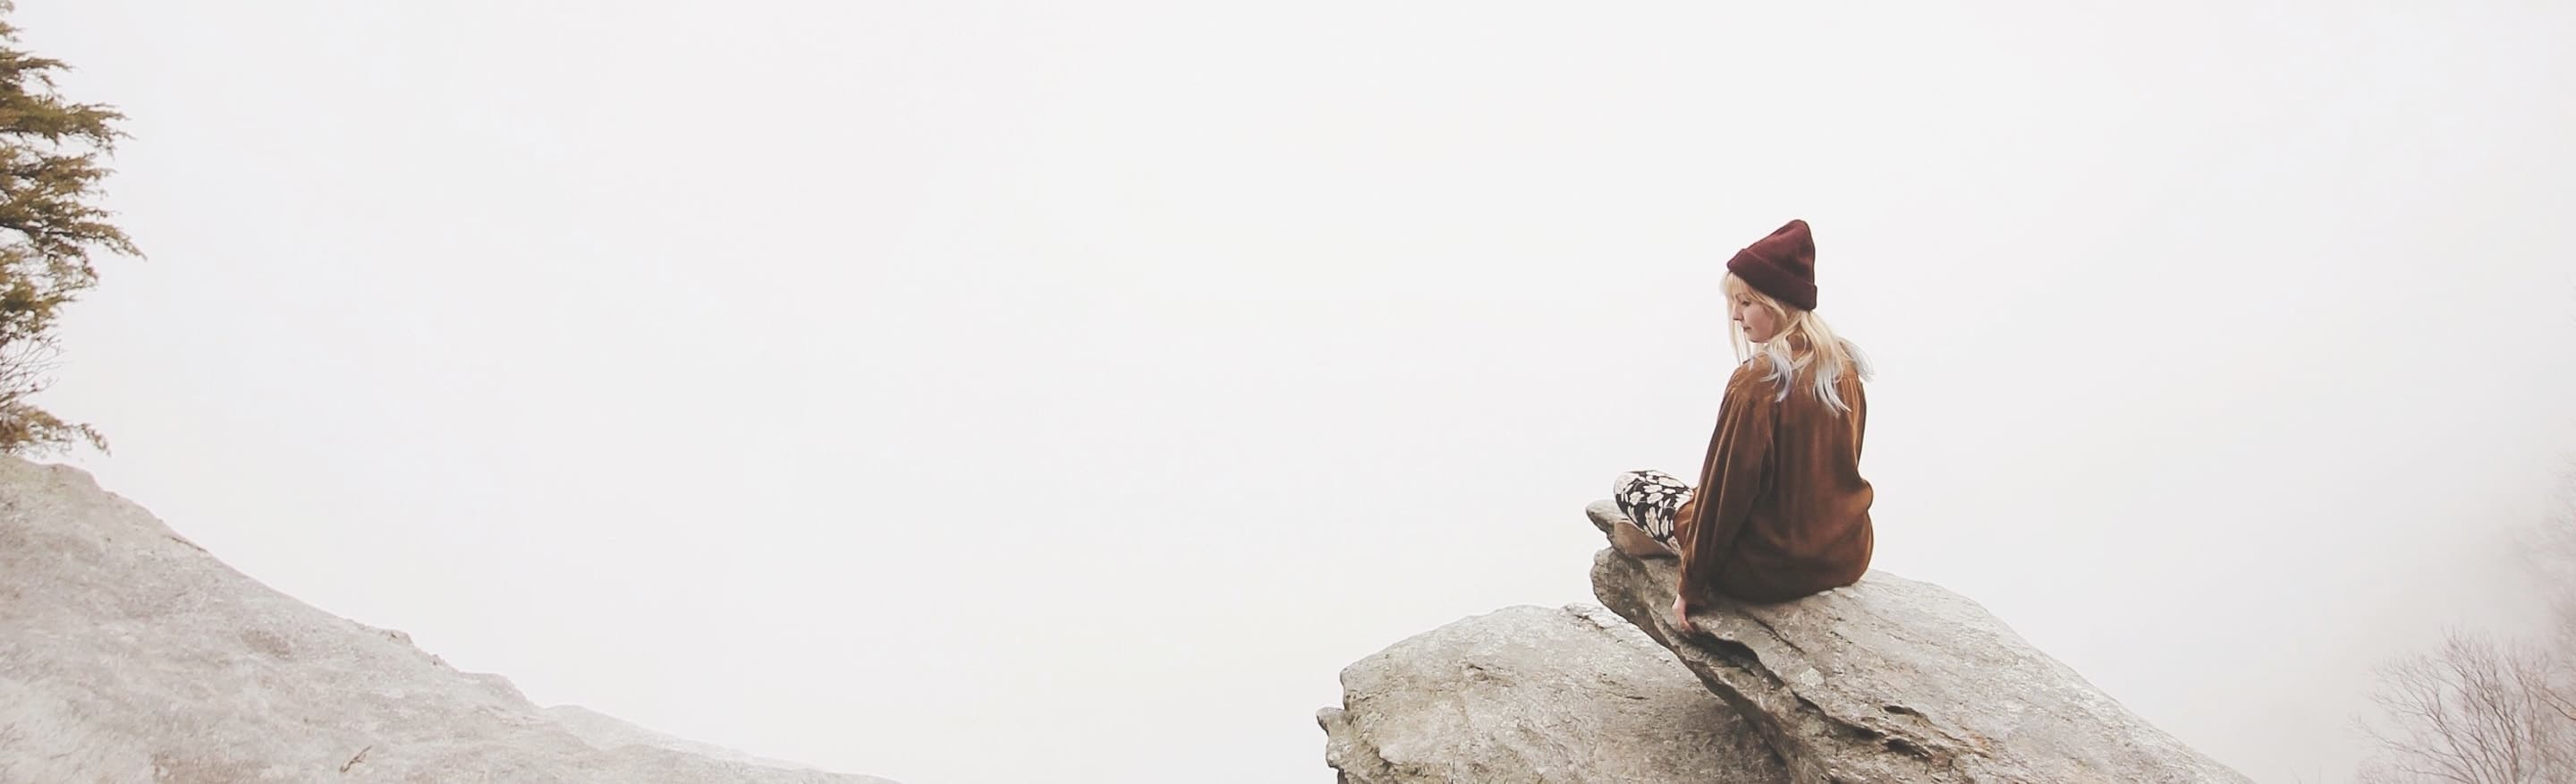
x=1782 y=265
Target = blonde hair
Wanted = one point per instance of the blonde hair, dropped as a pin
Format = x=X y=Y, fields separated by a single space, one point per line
x=1827 y=353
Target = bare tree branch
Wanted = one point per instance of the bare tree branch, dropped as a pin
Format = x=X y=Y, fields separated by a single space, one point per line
x=2476 y=712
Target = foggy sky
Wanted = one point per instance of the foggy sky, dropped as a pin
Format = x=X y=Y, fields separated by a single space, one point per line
x=966 y=392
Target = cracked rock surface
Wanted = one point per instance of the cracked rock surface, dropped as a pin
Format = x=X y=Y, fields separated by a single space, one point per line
x=1536 y=694
x=1896 y=680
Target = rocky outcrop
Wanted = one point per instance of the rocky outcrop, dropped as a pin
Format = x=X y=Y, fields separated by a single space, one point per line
x=128 y=653
x=1896 y=680
x=1536 y=694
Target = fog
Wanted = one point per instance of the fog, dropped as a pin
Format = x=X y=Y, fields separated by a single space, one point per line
x=967 y=392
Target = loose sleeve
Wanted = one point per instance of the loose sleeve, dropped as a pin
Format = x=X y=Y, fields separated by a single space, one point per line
x=1859 y=400
x=1734 y=473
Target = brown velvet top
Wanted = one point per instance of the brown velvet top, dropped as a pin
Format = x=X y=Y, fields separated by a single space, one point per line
x=1780 y=510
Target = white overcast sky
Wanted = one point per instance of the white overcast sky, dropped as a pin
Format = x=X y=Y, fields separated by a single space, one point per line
x=968 y=392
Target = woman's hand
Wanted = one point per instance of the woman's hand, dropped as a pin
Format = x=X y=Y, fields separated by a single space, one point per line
x=1681 y=615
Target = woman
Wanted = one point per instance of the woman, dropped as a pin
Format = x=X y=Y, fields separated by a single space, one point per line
x=1781 y=510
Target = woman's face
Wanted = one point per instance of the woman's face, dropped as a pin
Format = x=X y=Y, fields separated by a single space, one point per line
x=1760 y=324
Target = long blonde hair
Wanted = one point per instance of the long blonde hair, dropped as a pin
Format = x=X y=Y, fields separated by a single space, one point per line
x=1827 y=353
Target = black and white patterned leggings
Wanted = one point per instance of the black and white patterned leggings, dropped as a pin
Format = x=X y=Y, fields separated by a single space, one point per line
x=1649 y=499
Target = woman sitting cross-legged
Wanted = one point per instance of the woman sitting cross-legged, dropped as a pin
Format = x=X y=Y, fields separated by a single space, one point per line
x=1781 y=510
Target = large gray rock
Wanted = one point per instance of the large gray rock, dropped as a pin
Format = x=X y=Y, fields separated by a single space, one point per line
x=1896 y=680
x=1536 y=694
x=128 y=654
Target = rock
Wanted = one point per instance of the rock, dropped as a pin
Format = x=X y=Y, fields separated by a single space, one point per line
x=128 y=653
x=607 y=733
x=1536 y=694
x=1896 y=680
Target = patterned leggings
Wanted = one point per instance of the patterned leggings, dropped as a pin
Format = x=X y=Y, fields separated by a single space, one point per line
x=1649 y=499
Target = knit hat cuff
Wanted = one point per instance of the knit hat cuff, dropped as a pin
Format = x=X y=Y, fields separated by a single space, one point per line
x=1769 y=277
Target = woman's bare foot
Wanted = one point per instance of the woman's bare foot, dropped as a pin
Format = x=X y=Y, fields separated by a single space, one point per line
x=1636 y=543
